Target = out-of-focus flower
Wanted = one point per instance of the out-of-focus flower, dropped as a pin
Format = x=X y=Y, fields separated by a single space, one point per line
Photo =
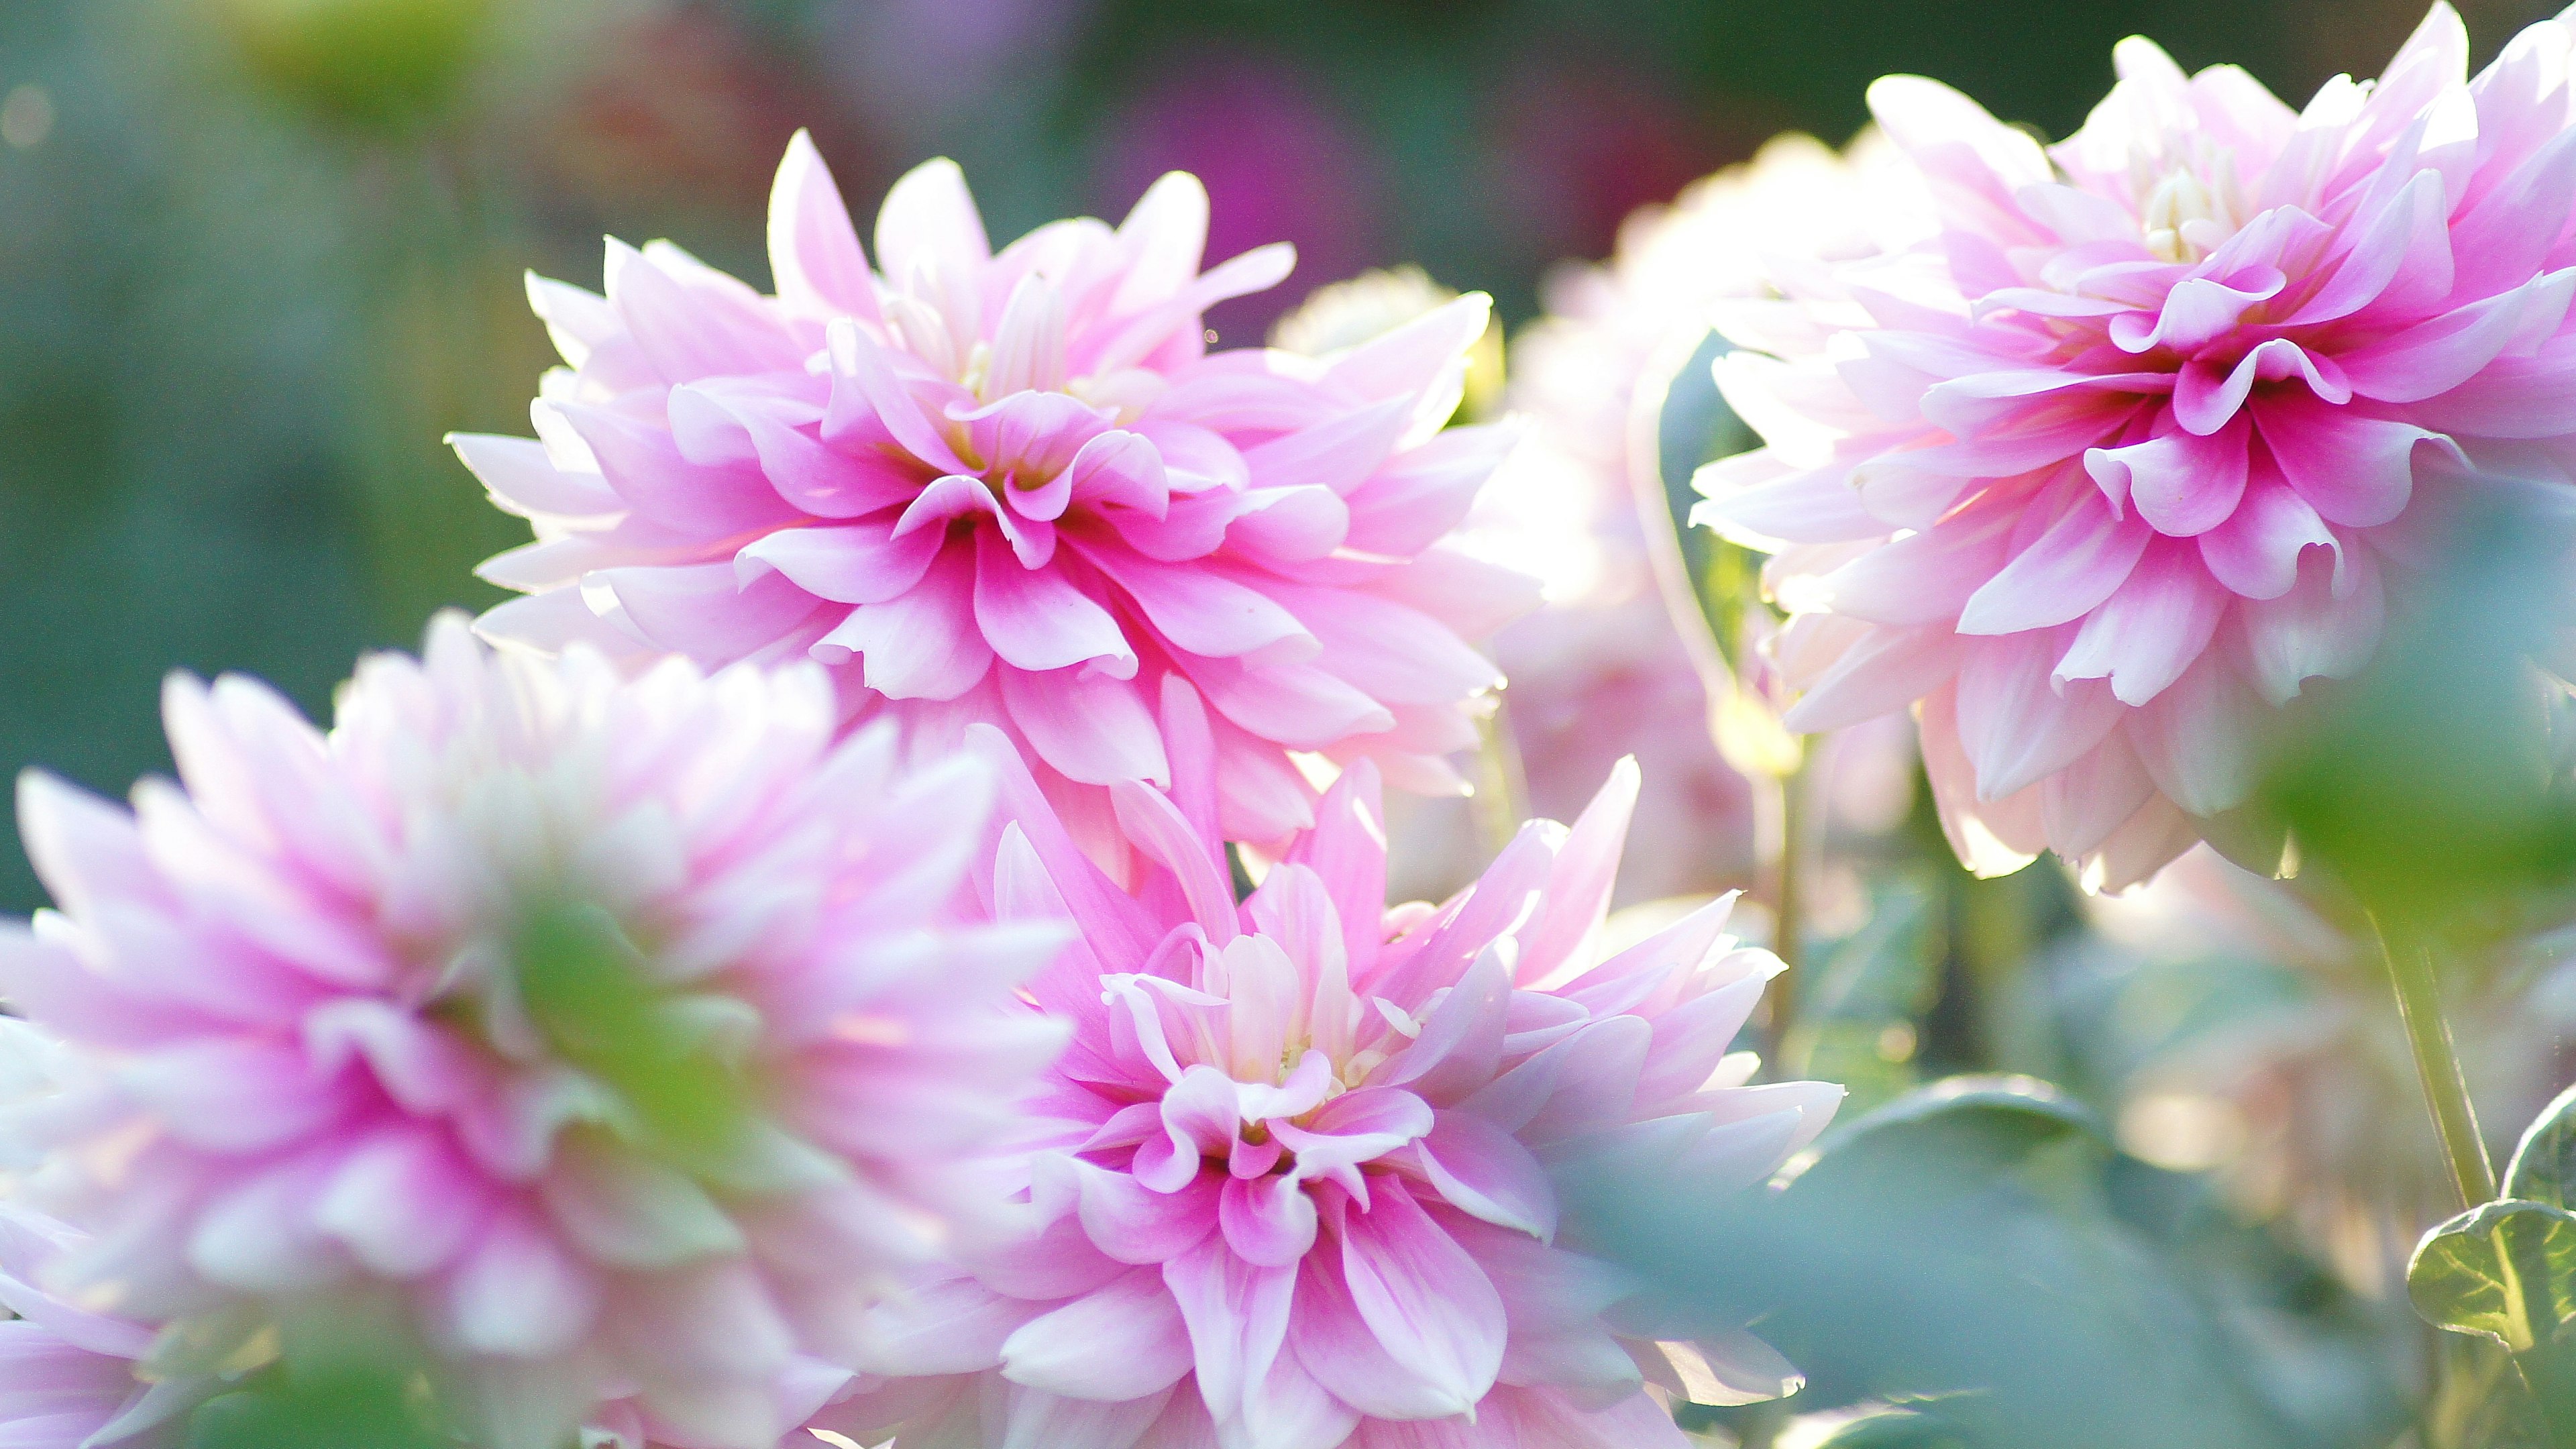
x=1339 y=316
x=914 y=68
x=1279 y=160
x=623 y=1034
x=1016 y=488
x=1298 y=1192
x=678 y=115
x=2155 y=424
x=1598 y=670
x=67 y=1376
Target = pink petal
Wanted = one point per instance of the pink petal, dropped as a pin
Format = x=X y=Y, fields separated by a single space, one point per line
x=1485 y=1172
x=704 y=611
x=2355 y=470
x=1135 y=1224
x=922 y=645
x=1237 y=1315
x=1164 y=835
x=2433 y=357
x=1342 y=1350
x=1036 y=619
x=856 y=563
x=1090 y=727
x=2147 y=633
x=929 y=222
x=2326 y=625
x=2180 y=483
x=1198 y=607
x=2061 y=575
x=2205 y=397
x=2256 y=551
x=813 y=249
x=2016 y=723
x=1119 y=1342
x=1428 y=1304
x=1268 y=1221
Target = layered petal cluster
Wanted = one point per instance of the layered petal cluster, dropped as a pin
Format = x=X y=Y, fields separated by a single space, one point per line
x=1298 y=1192
x=67 y=1376
x=1597 y=670
x=2157 y=424
x=1016 y=488
x=628 y=1037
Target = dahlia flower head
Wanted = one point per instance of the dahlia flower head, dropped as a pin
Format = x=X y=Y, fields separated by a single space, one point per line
x=1297 y=1190
x=628 y=1037
x=2152 y=427
x=67 y=1375
x=1016 y=488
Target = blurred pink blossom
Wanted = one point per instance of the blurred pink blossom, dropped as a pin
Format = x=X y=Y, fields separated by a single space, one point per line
x=1598 y=671
x=1016 y=489
x=2150 y=427
x=1279 y=161
x=1296 y=1190
x=626 y=1034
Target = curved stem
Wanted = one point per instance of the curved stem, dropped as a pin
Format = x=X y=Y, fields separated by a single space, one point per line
x=2437 y=1062
x=1673 y=582
x=1788 y=907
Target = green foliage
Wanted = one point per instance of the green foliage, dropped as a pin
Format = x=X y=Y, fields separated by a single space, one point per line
x=347 y=1376
x=1856 y=1018
x=585 y=987
x=2430 y=784
x=2543 y=1168
x=1978 y=1245
x=2506 y=1270
x=369 y=62
x=341 y=1409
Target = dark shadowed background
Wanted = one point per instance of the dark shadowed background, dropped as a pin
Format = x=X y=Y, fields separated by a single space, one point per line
x=256 y=256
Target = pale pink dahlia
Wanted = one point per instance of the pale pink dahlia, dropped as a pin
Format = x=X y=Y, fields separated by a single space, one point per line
x=1298 y=1193
x=1016 y=488
x=2147 y=433
x=1598 y=670
x=67 y=1376
x=622 y=1034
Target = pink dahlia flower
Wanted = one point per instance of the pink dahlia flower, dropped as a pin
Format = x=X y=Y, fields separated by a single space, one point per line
x=1297 y=1193
x=621 y=1033
x=1016 y=488
x=1598 y=670
x=67 y=1377
x=2146 y=432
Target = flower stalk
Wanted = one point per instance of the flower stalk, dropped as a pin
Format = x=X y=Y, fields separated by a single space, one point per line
x=1788 y=905
x=2437 y=1062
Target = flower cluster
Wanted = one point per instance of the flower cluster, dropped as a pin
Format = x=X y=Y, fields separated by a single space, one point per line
x=891 y=933
x=636 y=1028
x=2153 y=425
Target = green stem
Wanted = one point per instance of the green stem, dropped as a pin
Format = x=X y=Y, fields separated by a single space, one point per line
x=1789 y=904
x=2437 y=1063
x=1501 y=801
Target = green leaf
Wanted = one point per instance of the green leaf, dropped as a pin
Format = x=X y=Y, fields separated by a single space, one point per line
x=2009 y=1115
x=2506 y=1270
x=2543 y=1169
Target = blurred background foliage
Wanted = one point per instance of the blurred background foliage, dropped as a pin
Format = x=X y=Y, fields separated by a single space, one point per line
x=257 y=256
